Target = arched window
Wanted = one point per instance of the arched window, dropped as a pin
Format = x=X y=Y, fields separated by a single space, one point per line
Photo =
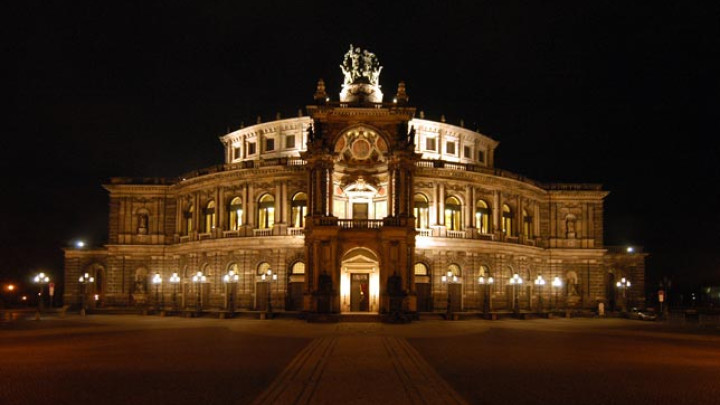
x=209 y=223
x=298 y=268
x=507 y=220
x=482 y=217
x=453 y=214
x=421 y=269
x=527 y=224
x=188 y=225
x=455 y=270
x=263 y=268
x=236 y=214
x=234 y=268
x=484 y=271
x=422 y=212
x=266 y=212
x=299 y=210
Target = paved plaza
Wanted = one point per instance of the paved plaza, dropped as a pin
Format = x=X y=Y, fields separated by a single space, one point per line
x=128 y=359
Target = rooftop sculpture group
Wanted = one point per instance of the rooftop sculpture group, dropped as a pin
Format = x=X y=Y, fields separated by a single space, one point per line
x=360 y=66
x=361 y=71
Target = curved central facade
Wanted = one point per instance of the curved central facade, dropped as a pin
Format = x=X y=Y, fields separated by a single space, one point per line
x=355 y=206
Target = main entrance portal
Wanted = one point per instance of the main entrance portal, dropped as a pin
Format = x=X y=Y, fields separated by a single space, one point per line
x=359 y=281
x=359 y=292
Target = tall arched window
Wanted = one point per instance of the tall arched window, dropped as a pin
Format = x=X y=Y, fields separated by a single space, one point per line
x=453 y=214
x=209 y=223
x=507 y=220
x=482 y=217
x=188 y=220
x=527 y=224
x=421 y=211
x=236 y=213
x=299 y=210
x=266 y=212
x=421 y=269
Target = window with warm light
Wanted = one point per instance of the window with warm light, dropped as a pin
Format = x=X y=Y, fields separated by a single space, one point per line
x=453 y=214
x=298 y=268
x=527 y=224
x=482 y=217
x=421 y=211
x=188 y=228
x=263 y=268
x=209 y=223
x=299 y=210
x=454 y=269
x=235 y=209
x=507 y=220
x=266 y=212
x=421 y=269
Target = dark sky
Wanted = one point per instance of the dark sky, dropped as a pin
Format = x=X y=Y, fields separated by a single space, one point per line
x=575 y=91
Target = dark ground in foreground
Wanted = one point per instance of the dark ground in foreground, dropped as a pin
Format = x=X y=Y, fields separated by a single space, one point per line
x=152 y=360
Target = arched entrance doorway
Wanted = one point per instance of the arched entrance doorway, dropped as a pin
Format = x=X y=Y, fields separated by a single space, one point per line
x=359 y=281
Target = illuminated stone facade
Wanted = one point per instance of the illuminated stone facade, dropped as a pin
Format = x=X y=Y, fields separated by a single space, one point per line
x=355 y=206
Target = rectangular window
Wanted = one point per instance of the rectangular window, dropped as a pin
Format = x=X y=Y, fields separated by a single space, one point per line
x=467 y=152
x=236 y=153
x=251 y=148
x=269 y=145
x=481 y=156
x=430 y=144
x=290 y=142
x=450 y=148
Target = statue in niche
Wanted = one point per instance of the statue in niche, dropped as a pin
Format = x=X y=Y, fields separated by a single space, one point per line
x=570 y=222
x=142 y=224
x=140 y=284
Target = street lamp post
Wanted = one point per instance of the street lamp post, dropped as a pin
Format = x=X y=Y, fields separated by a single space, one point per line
x=556 y=283
x=40 y=279
x=515 y=281
x=623 y=285
x=174 y=281
x=198 y=279
x=448 y=279
x=540 y=283
x=230 y=277
x=267 y=278
x=486 y=283
x=157 y=282
x=84 y=280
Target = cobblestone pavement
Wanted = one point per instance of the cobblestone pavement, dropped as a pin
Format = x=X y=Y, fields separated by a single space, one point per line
x=114 y=359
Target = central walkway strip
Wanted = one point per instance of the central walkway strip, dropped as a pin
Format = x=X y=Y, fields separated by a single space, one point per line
x=359 y=369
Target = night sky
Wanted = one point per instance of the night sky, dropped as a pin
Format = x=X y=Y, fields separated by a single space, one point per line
x=574 y=91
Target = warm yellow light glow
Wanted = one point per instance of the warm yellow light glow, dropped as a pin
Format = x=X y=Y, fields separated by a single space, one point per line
x=557 y=282
x=10 y=287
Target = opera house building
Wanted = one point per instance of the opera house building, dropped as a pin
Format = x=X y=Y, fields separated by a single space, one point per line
x=357 y=205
